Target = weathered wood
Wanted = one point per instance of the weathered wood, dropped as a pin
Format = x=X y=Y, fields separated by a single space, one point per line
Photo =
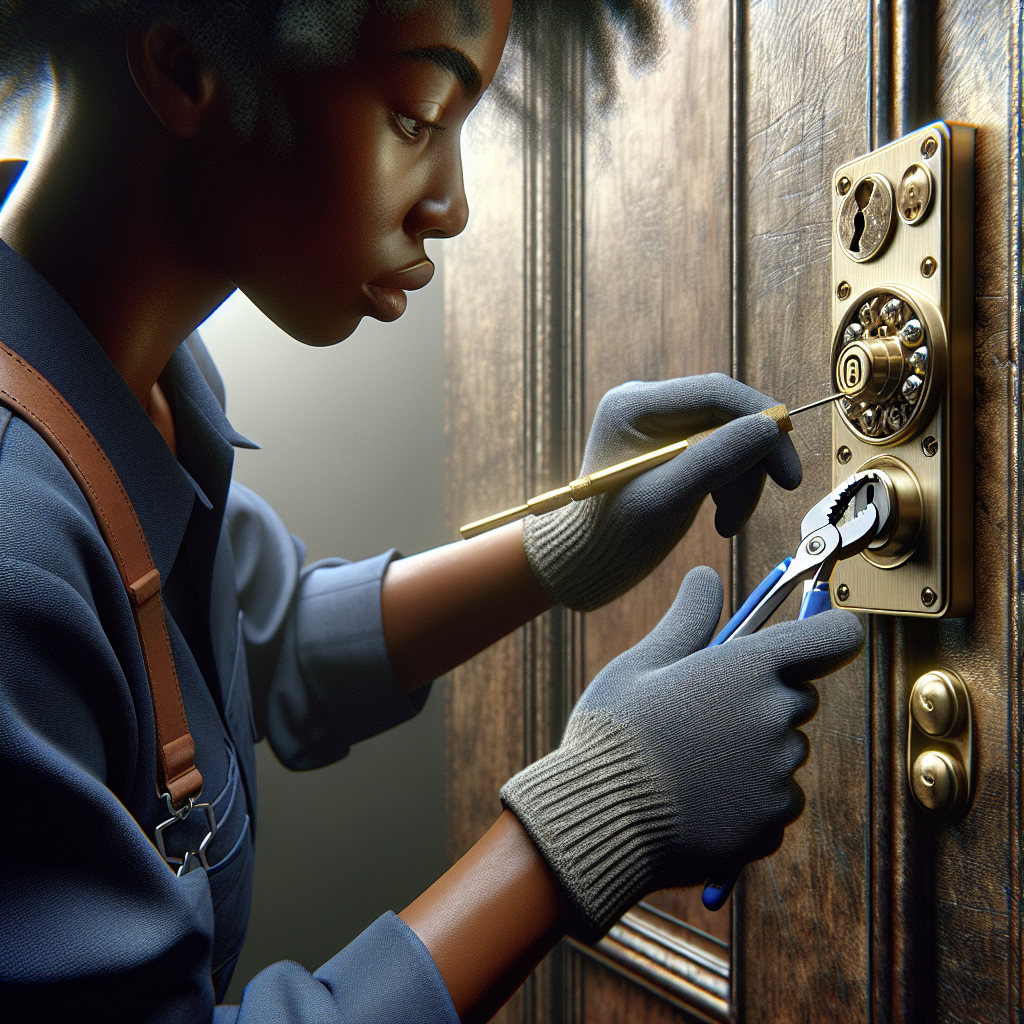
x=609 y=998
x=974 y=894
x=803 y=946
x=631 y=259
x=657 y=299
x=484 y=337
x=484 y=424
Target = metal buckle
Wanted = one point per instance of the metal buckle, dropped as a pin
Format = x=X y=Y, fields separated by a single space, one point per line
x=193 y=859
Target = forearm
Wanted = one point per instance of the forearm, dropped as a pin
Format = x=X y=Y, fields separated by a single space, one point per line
x=443 y=606
x=490 y=919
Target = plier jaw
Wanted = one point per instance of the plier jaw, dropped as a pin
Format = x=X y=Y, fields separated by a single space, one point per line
x=862 y=500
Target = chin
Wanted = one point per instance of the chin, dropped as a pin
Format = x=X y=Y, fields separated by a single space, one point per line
x=322 y=336
x=316 y=331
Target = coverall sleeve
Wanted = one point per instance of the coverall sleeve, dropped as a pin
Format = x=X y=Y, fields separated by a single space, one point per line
x=319 y=671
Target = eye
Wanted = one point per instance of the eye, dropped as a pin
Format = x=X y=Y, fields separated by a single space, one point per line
x=415 y=128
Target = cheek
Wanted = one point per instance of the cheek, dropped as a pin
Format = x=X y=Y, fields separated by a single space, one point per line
x=347 y=197
x=300 y=235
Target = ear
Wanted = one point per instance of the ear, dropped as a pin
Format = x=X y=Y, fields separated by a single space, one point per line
x=171 y=78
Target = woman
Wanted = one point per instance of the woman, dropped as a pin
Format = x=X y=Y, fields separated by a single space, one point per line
x=302 y=150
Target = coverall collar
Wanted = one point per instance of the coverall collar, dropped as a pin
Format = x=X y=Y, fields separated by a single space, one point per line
x=32 y=315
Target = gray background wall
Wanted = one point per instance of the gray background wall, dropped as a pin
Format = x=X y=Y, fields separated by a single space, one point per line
x=353 y=461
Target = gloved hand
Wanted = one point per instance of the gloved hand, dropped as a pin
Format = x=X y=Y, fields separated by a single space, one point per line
x=591 y=551
x=677 y=762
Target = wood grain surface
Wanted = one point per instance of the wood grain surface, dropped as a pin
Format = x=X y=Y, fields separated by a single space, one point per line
x=484 y=425
x=803 y=948
x=968 y=879
x=658 y=290
x=686 y=232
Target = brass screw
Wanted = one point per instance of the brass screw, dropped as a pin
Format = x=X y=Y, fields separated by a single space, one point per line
x=930 y=146
x=843 y=185
x=928 y=597
x=843 y=592
x=843 y=290
x=928 y=266
x=844 y=455
x=930 y=445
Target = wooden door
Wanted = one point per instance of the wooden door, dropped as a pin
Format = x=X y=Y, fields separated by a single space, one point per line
x=689 y=231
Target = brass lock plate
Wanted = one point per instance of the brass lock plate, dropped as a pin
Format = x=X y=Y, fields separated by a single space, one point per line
x=903 y=357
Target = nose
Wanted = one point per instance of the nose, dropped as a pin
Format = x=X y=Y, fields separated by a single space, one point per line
x=443 y=211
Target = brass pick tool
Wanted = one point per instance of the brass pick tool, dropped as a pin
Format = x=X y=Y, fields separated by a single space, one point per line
x=609 y=479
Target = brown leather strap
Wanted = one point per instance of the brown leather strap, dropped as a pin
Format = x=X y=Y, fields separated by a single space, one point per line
x=28 y=393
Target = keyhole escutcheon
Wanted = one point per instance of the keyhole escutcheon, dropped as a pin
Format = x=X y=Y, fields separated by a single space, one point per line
x=866 y=218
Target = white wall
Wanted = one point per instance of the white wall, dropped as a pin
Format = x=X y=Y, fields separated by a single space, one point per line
x=353 y=461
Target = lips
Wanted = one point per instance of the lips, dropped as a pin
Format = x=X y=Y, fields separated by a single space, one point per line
x=407 y=279
x=387 y=293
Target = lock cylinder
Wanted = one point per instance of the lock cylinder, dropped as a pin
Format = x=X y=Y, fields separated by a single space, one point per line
x=871 y=370
x=900 y=498
x=886 y=361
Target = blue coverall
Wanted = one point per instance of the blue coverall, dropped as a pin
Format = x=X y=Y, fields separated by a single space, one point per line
x=95 y=924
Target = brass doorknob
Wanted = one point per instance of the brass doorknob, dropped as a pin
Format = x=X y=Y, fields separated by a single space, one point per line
x=940 y=747
x=934 y=705
x=939 y=782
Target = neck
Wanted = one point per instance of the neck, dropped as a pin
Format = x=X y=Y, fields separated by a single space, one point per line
x=90 y=213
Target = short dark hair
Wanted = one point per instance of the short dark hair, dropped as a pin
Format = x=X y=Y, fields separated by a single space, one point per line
x=235 y=37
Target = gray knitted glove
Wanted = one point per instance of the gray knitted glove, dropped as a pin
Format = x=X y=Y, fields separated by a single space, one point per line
x=591 y=551
x=678 y=760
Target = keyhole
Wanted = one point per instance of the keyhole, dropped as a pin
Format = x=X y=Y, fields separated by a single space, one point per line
x=863 y=196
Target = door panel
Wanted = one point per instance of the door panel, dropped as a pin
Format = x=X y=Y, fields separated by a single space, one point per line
x=658 y=291
x=802 y=939
x=973 y=881
x=689 y=231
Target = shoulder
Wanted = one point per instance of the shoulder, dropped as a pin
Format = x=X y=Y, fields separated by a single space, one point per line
x=47 y=521
x=65 y=617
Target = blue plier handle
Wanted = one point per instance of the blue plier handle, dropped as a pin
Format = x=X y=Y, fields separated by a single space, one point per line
x=824 y=543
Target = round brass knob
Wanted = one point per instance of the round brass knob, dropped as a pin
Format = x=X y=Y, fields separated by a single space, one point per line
x=934 y=705
x=938 y=782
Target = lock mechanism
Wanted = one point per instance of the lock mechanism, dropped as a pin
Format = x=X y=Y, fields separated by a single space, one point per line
x=940 y=750
x=886 y=363
x=902 y=357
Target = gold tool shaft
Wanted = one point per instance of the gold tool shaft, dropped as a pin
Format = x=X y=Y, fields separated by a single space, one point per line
x=604 y=480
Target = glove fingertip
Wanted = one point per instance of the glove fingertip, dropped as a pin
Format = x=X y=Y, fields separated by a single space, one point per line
x=731 y=518
x=702 y=584
x=735 y=501
x=845 y=627
x=732 y=449
x=690 y=623
x=784 y=466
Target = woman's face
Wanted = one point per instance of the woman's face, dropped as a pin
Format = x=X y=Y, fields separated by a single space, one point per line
x=333 y=231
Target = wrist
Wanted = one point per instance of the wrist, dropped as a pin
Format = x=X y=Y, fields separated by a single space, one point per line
x=490 y=919
x=599 y=819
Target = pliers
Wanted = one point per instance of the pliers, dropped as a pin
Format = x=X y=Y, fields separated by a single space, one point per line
x=841 y=525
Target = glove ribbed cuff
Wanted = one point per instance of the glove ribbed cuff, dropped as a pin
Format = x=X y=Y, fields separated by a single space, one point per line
x=583 y=580
x=597 y=816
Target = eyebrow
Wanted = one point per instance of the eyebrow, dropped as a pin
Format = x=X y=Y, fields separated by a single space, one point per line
x=452 y=60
